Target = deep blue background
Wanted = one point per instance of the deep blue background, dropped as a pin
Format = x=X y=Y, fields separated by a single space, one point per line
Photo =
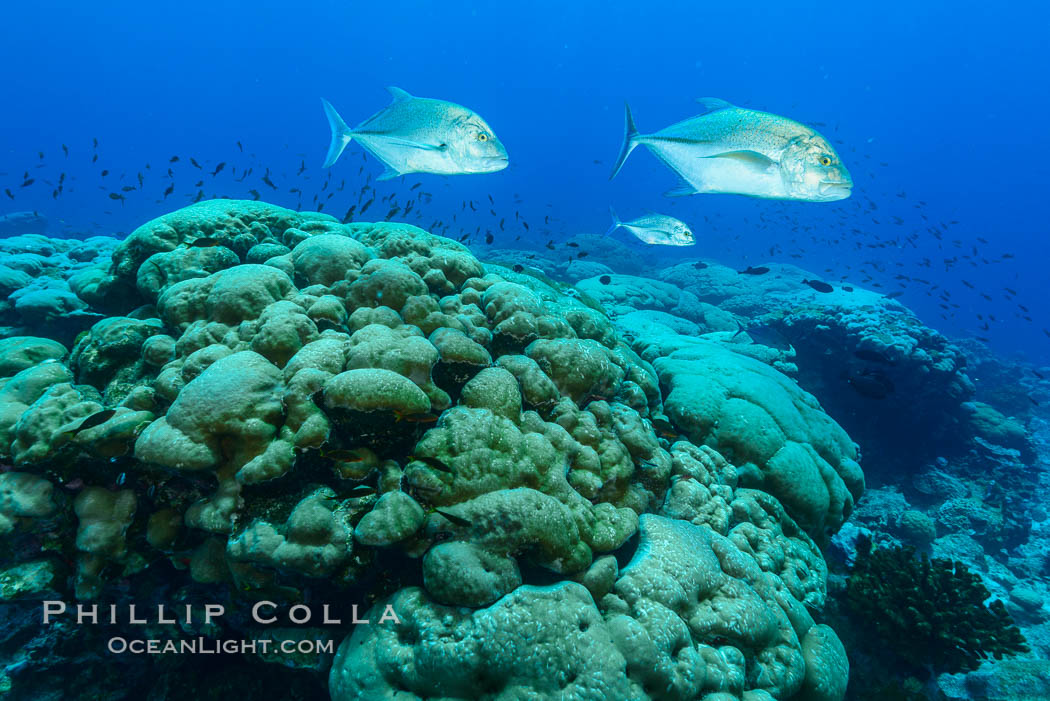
x=946 y=102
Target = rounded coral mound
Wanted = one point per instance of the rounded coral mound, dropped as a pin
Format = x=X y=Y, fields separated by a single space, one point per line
x=280 y=405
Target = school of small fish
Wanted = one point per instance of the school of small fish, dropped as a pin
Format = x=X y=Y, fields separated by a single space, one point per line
x=722 y=150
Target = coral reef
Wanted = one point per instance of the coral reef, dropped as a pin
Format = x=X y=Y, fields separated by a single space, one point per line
x=271 y=403
x=674 y=622
x=873 y=336
x=43 y=281
x=929 y=612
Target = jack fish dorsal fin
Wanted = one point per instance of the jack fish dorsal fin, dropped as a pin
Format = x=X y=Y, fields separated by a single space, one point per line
x=398 y=94
x=713 y=104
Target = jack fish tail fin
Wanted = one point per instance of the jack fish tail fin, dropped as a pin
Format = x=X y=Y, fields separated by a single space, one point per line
x=341 y=134
x=616 y=222
x=630 y=140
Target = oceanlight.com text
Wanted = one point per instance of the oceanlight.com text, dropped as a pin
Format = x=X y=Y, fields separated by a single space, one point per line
x=207 y=646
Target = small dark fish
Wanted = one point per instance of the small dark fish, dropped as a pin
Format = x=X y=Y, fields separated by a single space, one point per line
x=96 y=419
x=761 y=270
x=65 y=150
x=240 y=147
x=415 y=186
x=195 y=164
x=699 y=265
x=28 y=182
x=266 y=179
x=117 y=196
x=605 y=279
x=518 y=267
x=819 y=286
x=122 y=478
x=871 y=383
x=343 y=454
x=489 y=238
x=127 y=188
x=361 y=491
x=218 y=169
x=1038 y=374
x=847 y=288
x=255 y=194
x=7 y=192
x=663 y=426
x=873 y=356
x=323 y=324
x=426 y=418
x=173 y=159
x=204 y=242
x=432 y=462
x=171 y=189
x=199 y=197
x=105 y=173
x=94 y=158
x=455 y=520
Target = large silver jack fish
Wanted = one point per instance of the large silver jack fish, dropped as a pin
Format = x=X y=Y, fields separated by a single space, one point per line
x=420 y=135
x=727 y=149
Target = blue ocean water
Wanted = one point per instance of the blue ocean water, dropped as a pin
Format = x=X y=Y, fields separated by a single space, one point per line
x=118 y=112
x=935 y=108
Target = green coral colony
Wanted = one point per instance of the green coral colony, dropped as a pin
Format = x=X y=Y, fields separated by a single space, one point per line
x=277 y=404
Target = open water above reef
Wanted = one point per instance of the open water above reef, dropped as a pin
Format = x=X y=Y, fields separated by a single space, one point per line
x=703 y=455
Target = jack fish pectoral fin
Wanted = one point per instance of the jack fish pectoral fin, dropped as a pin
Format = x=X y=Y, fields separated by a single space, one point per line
x=752 y=159
x=404 y=143
x=424 y=147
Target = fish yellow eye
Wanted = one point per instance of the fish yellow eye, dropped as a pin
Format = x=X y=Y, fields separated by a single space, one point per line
x=825 y=161
x=482 y=136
